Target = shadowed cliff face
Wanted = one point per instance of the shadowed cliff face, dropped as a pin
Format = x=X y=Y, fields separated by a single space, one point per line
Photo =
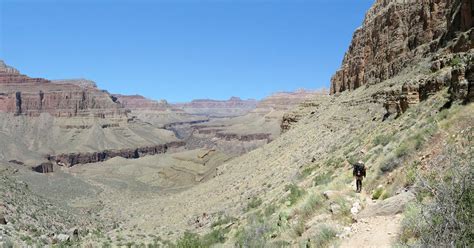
x=395 y=33
x=22 y=95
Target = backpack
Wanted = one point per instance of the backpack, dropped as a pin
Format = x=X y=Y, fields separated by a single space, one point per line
x=359 y=170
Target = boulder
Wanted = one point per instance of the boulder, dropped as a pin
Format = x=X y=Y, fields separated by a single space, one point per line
x=62 y=238
x=390 y=206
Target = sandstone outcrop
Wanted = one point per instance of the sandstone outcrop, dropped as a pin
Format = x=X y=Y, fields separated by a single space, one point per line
x=395 y=33
x=71 y=159
x=22 y=95
x=455 y=72
x=306 y=108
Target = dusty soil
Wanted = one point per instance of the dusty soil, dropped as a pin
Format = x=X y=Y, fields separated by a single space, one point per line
x=376 y=232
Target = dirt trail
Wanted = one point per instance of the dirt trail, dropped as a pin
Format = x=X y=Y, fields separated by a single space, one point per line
x=378 y=231
x=374 y=231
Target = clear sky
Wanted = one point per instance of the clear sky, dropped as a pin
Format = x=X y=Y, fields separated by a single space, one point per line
x=183 y=49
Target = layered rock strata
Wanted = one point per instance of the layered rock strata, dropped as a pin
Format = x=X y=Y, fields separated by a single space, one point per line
x=22 y=95
x=218 y=108
x=71 y=159
x=395 y=33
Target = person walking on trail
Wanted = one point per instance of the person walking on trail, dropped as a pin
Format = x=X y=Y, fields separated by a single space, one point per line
x=359 y=174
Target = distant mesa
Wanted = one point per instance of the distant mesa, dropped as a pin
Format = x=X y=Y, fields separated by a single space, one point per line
x=22 y=95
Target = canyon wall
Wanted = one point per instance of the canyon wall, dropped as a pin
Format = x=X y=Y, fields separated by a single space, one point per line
x=138 y=102
x=397 y=32
x=22 y=95
x=71 y=159
x=234 y=106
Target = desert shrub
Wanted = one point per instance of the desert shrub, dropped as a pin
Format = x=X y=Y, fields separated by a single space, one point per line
x=444 y=217
x=344 y=213
x=312 y=203
x=322 y=179
x=279 y=244
x=455 y=61
x=402 y=150
x=378 y=193
x=382 y=140
x=214 y=237
x=270 y=209
x=307 y=171
x=412 y=224
x=254 y=203
x=324 y=237
x=193 y=240
x=298 y=227
x=443 y=114
x=189 y=240
x=410 y=175
x=295 y=193
x=334 y=162
x=222 y=220
x=255 y=234
x=390 y=163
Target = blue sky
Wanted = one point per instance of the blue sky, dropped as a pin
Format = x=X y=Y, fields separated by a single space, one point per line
x=183 y=49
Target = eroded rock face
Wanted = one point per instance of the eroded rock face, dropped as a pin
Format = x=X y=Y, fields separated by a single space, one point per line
x=306 y=108
x=395 y=33
x=138 y=102
x=22 y=95
x=71 y=159
x=46 y=167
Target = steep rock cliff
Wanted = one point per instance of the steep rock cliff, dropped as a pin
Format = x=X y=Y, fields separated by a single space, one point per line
x=395 y=33
x=22 y=95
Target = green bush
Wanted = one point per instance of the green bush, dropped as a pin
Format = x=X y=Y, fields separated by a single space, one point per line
x=412 y=225
x=295 y=193
x=455 y=61
x=214 y=237
x=382 y=140
x=322 y=179
x=410 y=175
x=444 y=217
x=390 y=164
x=189 y=240
x=334 y=162
x=255 y=202
x=270 y=209
x=402 y=150
x=255 y=234
x=193 y=240
x=311 y=205
x=324 y=237
x=378 y=193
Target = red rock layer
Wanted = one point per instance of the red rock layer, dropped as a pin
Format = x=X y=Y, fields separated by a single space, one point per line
x=22 y=95
x=396 y=32
x=140 y=102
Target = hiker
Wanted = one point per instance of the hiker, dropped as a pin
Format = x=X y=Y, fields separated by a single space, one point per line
x=359 y=174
